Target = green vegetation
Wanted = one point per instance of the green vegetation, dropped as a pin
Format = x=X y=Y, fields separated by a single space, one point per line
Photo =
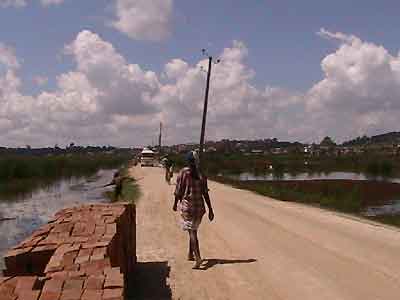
x=390 y=220
x=20 y=175
x=130 y=190
x=57 y=166
x=340 y=195
x=325 y=194
x=373 y=165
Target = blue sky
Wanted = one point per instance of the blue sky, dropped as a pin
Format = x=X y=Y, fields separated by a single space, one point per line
x=282 y=45
x=280 y=35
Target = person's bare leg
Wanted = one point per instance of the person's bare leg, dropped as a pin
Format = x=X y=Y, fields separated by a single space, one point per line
x=195 y=244
x=190 y=254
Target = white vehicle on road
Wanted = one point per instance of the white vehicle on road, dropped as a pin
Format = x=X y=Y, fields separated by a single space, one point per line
x=148 y=158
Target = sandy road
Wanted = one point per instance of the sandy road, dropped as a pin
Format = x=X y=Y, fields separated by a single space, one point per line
x=259 y=248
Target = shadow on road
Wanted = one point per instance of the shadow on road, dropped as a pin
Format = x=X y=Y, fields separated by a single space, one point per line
x=211 y=262
x=149 y=281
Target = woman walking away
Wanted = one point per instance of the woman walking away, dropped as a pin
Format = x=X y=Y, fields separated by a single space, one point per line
x=190 y=193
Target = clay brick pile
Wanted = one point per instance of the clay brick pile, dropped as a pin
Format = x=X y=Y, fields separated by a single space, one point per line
x=85 y=253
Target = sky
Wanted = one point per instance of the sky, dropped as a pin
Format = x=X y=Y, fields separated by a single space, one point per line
x=107 y=72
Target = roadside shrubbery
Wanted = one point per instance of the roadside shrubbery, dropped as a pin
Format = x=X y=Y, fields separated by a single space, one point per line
x=20 y=175
x=129 y=190
x=29 y=167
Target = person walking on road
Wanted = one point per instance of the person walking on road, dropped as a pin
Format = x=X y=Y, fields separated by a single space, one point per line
x=190 y=194
x=168 y=169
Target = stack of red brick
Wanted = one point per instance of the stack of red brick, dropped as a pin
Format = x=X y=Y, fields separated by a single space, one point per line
x=84 y=253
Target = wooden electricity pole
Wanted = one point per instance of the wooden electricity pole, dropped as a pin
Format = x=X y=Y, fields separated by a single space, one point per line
x=159 y=139
x=203 y=124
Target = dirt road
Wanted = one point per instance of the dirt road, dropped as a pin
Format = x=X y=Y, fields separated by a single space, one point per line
x=259 y=248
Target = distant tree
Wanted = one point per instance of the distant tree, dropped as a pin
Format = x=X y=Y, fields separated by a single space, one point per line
x=28 y=147
x=327 y=142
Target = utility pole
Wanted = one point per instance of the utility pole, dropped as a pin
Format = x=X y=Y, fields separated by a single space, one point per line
x=203 y=124
x=159 y=138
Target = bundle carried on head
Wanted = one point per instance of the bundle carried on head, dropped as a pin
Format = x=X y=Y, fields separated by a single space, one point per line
x=192 y=158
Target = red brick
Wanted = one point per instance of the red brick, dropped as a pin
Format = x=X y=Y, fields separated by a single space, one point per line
x=28 y=295
x=111 y=229
x=99 y=230
x=99 y=253
x=112 y=293
x=4 y=279
x=75 y=274
x=50 y=295
x=96 y=267
x=82 y=259
x=95 y=245
x=73 y=284
x=7 y=290
x=26 y=283
x=8 y=297
x=94 y=282
x=92 y=294
x=68 y=258
x=63 y=228
x=53 y=285
x=71 y=295
x=62 y=275
x=85 y=252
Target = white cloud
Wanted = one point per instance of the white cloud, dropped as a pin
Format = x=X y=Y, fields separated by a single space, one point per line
x=360 y=92
x=144 y=19
x=7 y=57
x=51 y=2
x=108 y=100
x=12 y=3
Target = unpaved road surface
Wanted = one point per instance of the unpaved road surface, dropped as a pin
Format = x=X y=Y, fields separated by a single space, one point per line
x=259 y=248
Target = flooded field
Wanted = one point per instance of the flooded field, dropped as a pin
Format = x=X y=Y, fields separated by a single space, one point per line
x=308 y=176
x=376 y=197
x=20 y=216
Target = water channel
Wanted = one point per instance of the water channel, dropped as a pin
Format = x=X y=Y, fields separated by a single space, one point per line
x=26 y=214
x=392 y=208
x=307 y=176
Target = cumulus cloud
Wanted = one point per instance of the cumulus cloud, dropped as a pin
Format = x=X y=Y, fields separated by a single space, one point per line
x=89 y=105
x=107 y=100
x=7 y=57
x=360 y=92
x=12 y=3
x=51 y=2
x=143 y=19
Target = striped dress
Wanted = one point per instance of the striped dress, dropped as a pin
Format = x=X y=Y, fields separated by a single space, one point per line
x=190 y=193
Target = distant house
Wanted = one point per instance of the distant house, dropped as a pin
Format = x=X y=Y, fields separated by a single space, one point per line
x=278 y=150
x=256 y=152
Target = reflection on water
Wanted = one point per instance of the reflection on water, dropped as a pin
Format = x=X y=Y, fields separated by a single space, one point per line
x=38 y=207
x=308 y=176
x=388 y=209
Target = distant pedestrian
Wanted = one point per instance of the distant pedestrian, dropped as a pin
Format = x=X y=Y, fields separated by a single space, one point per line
x=190 y=194
x=117 y=181
x=168 y=165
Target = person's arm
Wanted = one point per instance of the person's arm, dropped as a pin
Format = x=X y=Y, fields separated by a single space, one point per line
x=208 y=200
x=178 y=192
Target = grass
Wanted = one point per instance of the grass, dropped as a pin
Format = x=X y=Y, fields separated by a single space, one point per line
x=389 y=220
x=33 y=167
x=329 y=195
x=21 y=175
x=325 y=194
x=130 y=189
x=373 y=165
